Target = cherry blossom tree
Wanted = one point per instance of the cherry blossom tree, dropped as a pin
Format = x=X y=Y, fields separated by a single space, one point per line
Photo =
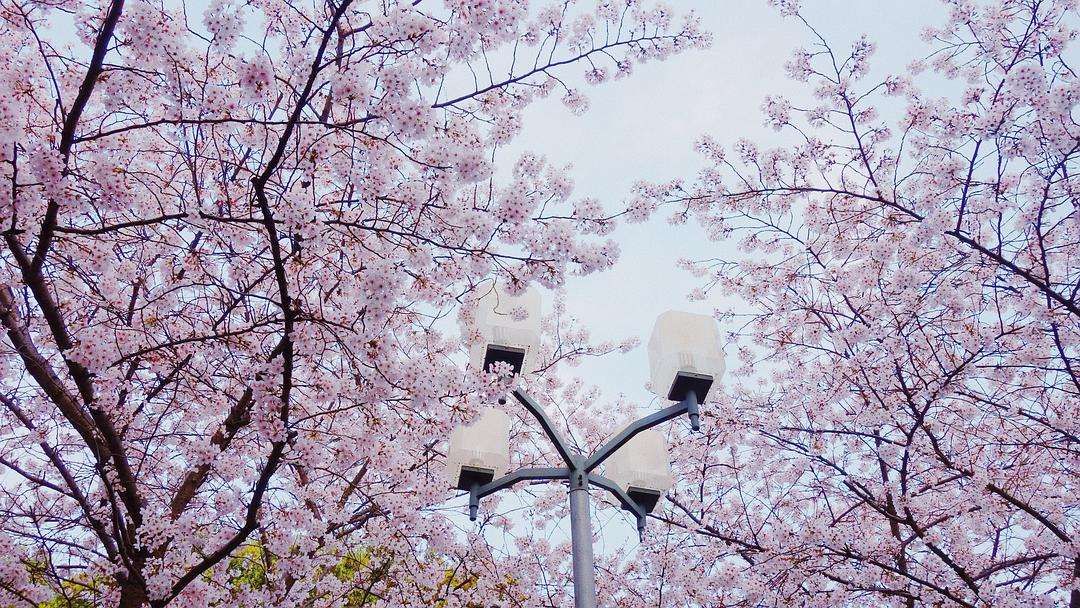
x=900 y=427
x=236 y=240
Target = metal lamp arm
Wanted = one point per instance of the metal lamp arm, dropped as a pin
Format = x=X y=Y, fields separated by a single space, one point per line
x=603 y=452
x=520 y=475
x=624 y=498
x=569 y=456
x=526 y=474
x=627 y=502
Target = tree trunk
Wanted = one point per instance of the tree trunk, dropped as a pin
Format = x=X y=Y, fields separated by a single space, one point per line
x=132 y=595
x=1074 y=597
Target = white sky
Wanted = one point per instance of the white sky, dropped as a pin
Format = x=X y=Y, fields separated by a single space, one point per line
x=644 y=127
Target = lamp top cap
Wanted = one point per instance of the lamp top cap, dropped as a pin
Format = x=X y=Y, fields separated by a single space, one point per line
x=496 y=307
x=679 y=321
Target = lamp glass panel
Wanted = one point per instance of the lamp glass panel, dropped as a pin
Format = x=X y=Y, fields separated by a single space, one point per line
x=683 y=342
x=641 y=463
x=484 y=444
x=510 y=323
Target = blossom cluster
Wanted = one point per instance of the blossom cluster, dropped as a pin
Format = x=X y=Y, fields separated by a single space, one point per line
x=904 y=345
x=235 y=243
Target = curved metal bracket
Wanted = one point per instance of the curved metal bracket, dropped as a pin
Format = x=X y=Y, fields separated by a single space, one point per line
x=506 y=481
x=624 y=498
x=520 y=475
x=578 y=471
x=687 y=406
x=568 y=455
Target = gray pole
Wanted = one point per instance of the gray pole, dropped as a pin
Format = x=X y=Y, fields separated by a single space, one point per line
x=581 y=541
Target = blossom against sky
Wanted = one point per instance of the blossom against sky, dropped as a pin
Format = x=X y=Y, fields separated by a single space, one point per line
x=645 y=128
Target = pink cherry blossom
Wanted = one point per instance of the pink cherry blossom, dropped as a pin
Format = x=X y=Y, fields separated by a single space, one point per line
x=237 y=237
x=899 y=427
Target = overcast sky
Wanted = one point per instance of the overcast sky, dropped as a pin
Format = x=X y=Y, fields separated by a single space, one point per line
x=644 y=127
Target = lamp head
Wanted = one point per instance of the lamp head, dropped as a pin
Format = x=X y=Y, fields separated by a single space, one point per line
x=685 y=355
x=510 y=327
x=479 y=452
x=641 y=467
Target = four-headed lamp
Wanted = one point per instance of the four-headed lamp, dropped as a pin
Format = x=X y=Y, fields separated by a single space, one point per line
x=641 y=467
x=510 y=326
x=479 y=452
x=685 y=356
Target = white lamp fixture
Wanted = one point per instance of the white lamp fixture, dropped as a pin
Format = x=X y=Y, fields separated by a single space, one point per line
x=479 y=452
x=684 y=355
x=509 y=337
x=641 y=467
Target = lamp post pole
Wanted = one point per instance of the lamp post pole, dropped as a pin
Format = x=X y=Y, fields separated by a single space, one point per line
x=579 y=474
x=581 y=542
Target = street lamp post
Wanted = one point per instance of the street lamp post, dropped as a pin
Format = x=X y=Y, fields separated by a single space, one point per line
x=579 y=473
x=685 y=358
